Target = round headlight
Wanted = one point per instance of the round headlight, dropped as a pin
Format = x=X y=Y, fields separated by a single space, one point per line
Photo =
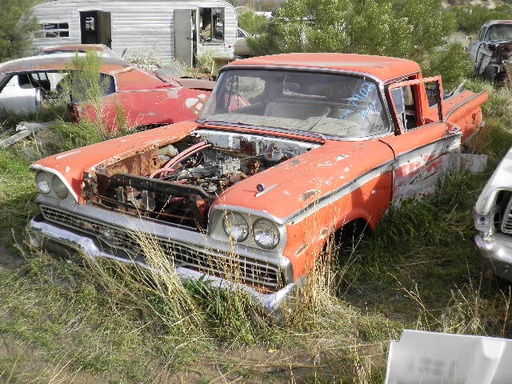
x=235 y=226
x=58 y=187
x=43 y=182
x=266 y=234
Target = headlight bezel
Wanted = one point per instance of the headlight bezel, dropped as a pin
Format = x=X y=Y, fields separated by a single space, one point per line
x=59 y=188
x=232 y=220
x=255 y=220
x=50 y=184
x=258 y=231
x=44 y=182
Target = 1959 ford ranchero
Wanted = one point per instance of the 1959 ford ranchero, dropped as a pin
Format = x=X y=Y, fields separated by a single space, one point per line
x=290 y=150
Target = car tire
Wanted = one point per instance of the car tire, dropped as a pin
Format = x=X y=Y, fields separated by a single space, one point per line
x=343 y=241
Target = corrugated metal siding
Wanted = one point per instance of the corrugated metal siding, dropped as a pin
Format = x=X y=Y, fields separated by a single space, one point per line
x=138 y=26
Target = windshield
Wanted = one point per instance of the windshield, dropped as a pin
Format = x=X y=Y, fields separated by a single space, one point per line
x=323 y=103
x=500 y=32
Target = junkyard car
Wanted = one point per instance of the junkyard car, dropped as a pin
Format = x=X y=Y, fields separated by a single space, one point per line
x=492 y=50
x=28 y=84
x=290 y=150
x=493 y=220
x=242 y=47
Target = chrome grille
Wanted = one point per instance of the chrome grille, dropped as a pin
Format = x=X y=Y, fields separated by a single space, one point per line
x=121 y=242
x=506 y=223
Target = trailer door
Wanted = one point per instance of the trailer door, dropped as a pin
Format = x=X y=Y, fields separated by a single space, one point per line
x=95 y=28
x=184 y=36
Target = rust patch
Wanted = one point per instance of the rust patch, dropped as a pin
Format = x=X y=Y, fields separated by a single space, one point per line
x=309 y=194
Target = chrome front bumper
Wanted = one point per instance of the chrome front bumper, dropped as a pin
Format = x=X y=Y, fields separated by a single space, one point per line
x=63 y=241
x=497 y=251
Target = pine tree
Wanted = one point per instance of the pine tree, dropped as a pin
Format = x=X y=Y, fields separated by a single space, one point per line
x=16 y=28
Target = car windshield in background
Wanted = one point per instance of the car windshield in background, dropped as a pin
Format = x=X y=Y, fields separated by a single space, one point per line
x=322 y=103
x=500 y=32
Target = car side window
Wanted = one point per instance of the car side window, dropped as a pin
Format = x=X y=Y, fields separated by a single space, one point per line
x=405 y=106
x=107 y=83
x=82 y=89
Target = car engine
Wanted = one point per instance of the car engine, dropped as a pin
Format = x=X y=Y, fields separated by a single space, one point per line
x=178 y=183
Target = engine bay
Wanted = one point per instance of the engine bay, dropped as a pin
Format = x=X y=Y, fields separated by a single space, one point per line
x=177 y=183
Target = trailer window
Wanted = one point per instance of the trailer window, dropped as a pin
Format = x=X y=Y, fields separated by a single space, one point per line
x=52 y=30
x=211 y=23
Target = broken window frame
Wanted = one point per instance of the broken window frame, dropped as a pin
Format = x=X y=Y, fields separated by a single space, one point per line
x=52 y=30
x=212 y=23
x=398 y=104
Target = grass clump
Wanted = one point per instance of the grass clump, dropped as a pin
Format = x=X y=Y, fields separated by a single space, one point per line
x=100 y=324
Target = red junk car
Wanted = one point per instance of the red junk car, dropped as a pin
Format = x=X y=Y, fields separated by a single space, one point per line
x=289 y=151
x=145 y=100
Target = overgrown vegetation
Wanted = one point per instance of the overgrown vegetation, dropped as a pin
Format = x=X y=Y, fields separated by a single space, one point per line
x=252 y=22
x=105 y=322
x=471 y=17
x=392 y=28
x=87 y=87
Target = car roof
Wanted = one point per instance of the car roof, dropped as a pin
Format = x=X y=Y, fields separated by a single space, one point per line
x=492 y=22
x=75 y=47
x=59 y=62
x=100 y=49
x=382 y=67
x=127 y=76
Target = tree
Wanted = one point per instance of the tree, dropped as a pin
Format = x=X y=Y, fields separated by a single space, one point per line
x=259 y=5
x=405 y=28
x=471 y=18
x=252 y=22
x=17 y=27
x=413 y=29
x=314 y=25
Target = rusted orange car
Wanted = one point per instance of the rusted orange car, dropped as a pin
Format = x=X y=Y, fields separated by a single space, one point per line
x=290 y=150
x=28 y=84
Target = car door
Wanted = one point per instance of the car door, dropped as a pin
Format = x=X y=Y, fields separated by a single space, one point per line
x=426 y=151
x=474 y=45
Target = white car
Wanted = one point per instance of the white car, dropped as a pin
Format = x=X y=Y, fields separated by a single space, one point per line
x=23 y=92
x=242 y=47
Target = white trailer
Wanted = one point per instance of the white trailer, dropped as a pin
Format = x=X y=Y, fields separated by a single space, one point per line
x=171 y=30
